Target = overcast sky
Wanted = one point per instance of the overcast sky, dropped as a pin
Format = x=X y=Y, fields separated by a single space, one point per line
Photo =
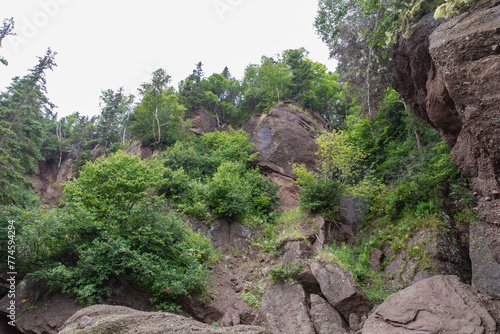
x=104 y=44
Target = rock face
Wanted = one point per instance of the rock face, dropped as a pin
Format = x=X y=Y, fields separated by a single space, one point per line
x=438 y=305
x=48 y=178
x=118 y=319
x=448 y=73
x=284 y=310
x=340 y=289
x=38 y=311
x=429 y=253
x=201 y=122
x=282 y=137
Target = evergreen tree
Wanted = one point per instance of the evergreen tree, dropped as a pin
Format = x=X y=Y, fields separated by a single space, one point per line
x=24 y=111
x=6 y=30
x=112 y=126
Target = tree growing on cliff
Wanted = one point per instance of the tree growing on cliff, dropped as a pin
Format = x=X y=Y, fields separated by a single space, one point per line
x=24 y=111
x=158 y=119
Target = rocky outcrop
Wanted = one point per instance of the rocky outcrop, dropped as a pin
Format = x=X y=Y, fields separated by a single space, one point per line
x=48 y=178
x=136 y=148
x=430 y=252
x=448 y=73
x=103 y=319
x=284 y=310
x=37 y=310
x=438 y=305
x=340 y=289
x=201 y=122
x=284 y=136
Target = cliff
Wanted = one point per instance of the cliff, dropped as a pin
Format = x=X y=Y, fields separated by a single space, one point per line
x=448 y=73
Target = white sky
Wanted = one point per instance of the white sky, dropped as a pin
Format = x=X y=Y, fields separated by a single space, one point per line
x=104 y=44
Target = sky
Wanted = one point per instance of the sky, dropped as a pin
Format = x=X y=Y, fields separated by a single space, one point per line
x=108 y=44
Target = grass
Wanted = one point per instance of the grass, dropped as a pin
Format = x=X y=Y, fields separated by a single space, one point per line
x=287 y=226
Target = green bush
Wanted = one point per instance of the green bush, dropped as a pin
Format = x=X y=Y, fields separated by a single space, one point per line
x=229 y=195
x=159 y=252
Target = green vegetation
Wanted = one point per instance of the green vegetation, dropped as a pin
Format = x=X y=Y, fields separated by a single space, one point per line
x=120 y=217
x=285 y=271
x=112 y=228
x=213 y=177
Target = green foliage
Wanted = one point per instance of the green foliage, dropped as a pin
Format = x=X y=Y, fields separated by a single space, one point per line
x=341 y=174
x=159 y=252
x=251 y=300
x=355 y=261
x=452 y=8
x=319 y=193
x=158 y=119
x=214 y=174
x=24 y=114
x=285 y=271
x=229 y=194
x=110 y=187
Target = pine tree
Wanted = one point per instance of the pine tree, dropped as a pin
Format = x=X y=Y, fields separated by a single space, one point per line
x=24 y=111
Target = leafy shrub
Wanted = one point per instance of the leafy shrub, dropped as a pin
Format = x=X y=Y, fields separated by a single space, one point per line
x=110 y=187
x=160 y=253
x=229 y=193
x=214 y=174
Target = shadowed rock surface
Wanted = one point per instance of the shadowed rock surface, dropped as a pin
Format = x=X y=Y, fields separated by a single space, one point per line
x=448 y=74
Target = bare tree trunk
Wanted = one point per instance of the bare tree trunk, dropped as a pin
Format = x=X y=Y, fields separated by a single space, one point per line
x=59 y=135
x=419 y=145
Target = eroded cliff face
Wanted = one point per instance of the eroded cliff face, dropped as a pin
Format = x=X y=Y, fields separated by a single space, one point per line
x=448 y=72
x=284 y=136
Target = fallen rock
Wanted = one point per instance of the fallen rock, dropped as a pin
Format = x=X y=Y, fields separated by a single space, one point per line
x=284 y=310
x=340 y=289
x=325 y=318
x=298 y=252
x=123 y=320
x=376 y=258
x=437 y=305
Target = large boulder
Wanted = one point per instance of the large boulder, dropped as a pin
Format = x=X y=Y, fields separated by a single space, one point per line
x=340 y=289
x=325 y=318
x=437 y=305
x=448 y=73
x=284 y=310
x=103 y=319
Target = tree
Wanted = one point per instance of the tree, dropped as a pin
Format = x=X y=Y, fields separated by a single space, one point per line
x=112 y=126
x=222 y=94
x=24 y=111
x=6 y=30
x=111 y=187
x=158 y=119
x=191 y=90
